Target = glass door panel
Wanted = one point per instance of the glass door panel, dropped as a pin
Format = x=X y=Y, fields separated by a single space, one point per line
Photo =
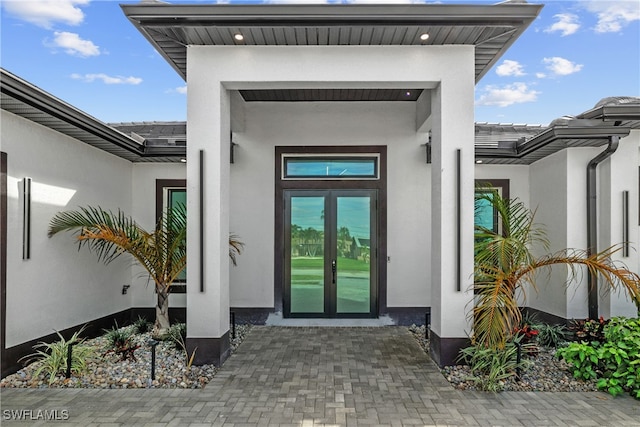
x=307 y=287
x=330 y=267
x=353 y=250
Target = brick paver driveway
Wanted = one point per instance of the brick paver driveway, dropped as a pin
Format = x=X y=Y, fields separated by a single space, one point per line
x=326 y=376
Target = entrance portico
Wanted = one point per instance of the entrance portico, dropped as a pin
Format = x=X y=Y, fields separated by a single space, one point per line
x=233 y=97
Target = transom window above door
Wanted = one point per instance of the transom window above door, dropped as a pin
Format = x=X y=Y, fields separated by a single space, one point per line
x=321 y=167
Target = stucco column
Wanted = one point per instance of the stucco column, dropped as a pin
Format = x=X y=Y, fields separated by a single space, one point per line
x=451 y=236
x=207 y=263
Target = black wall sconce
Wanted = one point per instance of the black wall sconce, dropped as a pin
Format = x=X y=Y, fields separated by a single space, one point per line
x=427 y=149
x=427 y=152
x=232 y=152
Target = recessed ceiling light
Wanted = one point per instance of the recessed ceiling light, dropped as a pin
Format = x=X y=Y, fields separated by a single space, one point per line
x=424 y=36
x=408 y=93
x=478 y=161
x=238 y=37
x=183 y=160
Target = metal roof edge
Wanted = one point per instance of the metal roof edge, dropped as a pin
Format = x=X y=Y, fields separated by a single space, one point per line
x=568 y=132
x=263 y=13
x=548 y=136
x=613 y=112
x=20 y=89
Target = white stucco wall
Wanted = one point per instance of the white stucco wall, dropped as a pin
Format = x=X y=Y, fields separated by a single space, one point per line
x=58 y=287
x=144 y=211
x=548 y=196
x=353 y=123
x=558 y=191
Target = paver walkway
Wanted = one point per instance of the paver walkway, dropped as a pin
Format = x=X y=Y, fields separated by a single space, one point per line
x=324 y=376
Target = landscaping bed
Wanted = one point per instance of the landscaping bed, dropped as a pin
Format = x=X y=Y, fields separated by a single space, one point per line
x=546 y=372
x=108 y=371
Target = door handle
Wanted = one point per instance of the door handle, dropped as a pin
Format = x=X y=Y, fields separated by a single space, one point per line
x=334 y=267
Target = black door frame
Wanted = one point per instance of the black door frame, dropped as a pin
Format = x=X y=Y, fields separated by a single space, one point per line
x=379 y=184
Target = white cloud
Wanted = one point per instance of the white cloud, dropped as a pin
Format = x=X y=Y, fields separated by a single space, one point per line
x=74 y=45
x=180 y=89
x=561 y=67
x=106 y=79
x=614 y=15
x=516 y=93
x=510 y=68
x=566 y=24
x=45 y=13
x=541 y=75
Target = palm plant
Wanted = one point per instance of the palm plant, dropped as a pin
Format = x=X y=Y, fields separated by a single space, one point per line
x=505 y=263
x=162 y=252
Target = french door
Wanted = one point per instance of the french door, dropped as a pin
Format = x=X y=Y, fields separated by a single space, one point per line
x=330 y=253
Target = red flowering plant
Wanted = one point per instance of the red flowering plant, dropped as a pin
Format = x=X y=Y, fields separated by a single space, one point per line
x=526 y=335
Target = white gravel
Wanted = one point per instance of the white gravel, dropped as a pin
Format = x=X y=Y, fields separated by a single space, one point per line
x=109 y=372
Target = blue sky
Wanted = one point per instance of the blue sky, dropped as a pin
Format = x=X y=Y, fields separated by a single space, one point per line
x=86 y=53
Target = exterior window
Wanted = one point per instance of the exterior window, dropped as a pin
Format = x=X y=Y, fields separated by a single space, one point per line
x=343 y=167
x=484 y=214
x=171 y=193
x=176 y=197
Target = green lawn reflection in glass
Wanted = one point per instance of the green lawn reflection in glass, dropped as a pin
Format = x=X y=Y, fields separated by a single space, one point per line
x=307 y=257
x=354 y=255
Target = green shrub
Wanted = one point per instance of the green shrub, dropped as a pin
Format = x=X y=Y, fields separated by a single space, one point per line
x=583 y=357
x=120 y=342
x=53 y=356
x=142 y=325
x=117 y=337
x=177 y=334
x=551 y=335
x=490 y=367
x=615 y=361
x=530 y=319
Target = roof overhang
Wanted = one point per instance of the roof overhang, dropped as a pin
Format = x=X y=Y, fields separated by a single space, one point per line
x=492 y=29
x=624 y=114
x=556 y=138
x=32 y=103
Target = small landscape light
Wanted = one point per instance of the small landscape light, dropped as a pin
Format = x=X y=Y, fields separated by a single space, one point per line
x=153 y=343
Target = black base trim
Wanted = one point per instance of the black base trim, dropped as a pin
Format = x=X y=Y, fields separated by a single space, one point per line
x=407 y=316
x=544 y=317
x=444 y=351
x=251 y=315
x=209 y=351
x=176 y=314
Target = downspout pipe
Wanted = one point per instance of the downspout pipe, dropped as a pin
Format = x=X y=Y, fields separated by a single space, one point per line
x=592 y=220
